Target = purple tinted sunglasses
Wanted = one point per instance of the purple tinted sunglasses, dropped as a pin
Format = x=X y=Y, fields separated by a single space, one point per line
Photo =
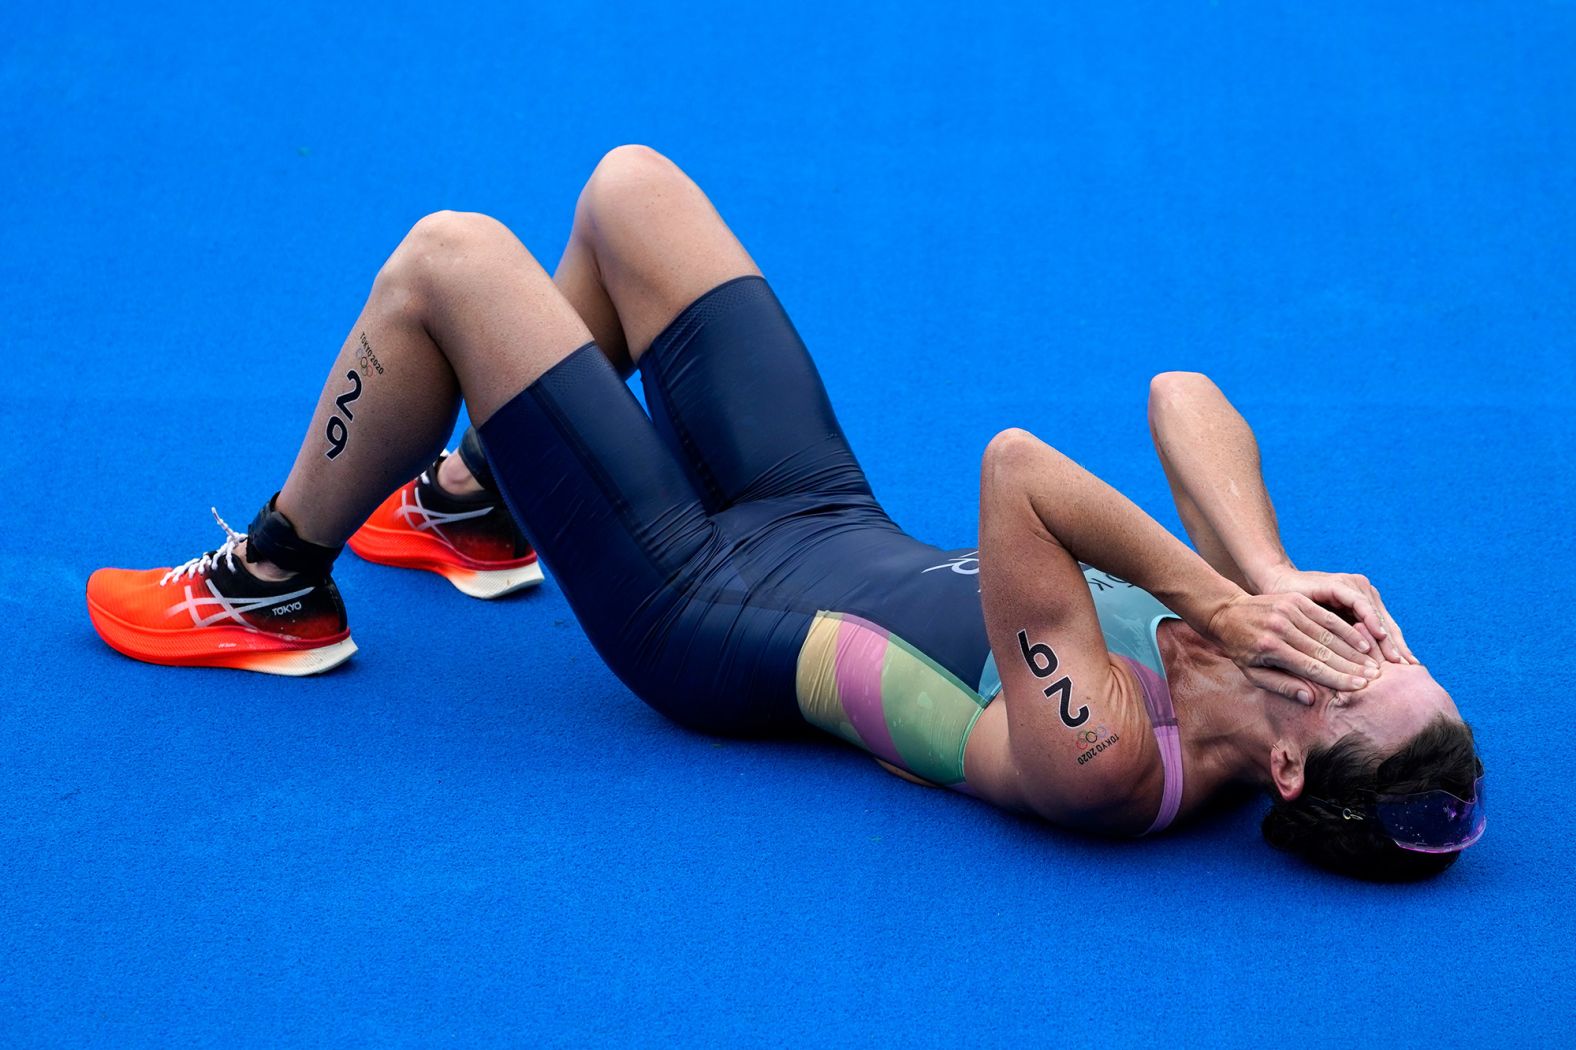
x=1436 y=821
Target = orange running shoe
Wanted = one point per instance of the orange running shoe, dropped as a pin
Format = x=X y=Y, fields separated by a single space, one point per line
x=212 y=612
x=472 y=541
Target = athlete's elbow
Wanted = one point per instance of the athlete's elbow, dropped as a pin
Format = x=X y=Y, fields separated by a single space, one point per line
x=1011 y=445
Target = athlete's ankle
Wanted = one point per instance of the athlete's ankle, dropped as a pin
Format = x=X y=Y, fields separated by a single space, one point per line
x=266 y=571
x=456 y=479
x=273 y=543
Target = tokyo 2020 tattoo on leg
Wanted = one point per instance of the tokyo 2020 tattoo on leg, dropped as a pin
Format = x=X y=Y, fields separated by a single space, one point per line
x=339 y=429
x=388 y=406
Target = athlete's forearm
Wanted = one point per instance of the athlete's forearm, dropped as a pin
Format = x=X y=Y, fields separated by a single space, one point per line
x=1212 y=461
x=1097 y=524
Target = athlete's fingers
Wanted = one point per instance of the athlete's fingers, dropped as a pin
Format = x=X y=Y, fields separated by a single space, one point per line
x=1283 y=684
x=1317 y=642
x=1308 y=639
x=1345 y=592
x=1347 y=639
x=1368 y=635
x=1389 y=645
x=1286 y=656
x=1291 y=641
x=1312 y=630
x=1396 y=647
x=1361 y=605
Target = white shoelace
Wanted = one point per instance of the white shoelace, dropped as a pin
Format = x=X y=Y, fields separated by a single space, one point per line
x=204 y=562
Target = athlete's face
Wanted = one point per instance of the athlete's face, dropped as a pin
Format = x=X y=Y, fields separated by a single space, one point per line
x=1389 y=711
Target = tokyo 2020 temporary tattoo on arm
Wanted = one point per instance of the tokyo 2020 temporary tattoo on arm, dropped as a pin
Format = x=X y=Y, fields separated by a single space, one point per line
x=1042 y=661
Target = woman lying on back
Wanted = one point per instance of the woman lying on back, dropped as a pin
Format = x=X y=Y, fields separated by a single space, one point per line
x=726 y=557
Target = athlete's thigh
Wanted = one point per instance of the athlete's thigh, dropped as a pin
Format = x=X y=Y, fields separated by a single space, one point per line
x=603 y=501
x=731 y=387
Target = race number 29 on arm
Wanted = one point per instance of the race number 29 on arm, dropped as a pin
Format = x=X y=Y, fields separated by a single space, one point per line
x=1042 y=662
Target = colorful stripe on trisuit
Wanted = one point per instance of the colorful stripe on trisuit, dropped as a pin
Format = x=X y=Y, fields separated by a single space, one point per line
x=859 y=681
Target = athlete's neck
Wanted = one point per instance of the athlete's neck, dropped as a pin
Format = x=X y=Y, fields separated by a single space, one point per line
x=1226 y=733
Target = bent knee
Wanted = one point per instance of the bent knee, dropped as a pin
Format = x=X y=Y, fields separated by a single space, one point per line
x=453 y=231
x=1168 y=383
x=439 y=245
x=629 y=172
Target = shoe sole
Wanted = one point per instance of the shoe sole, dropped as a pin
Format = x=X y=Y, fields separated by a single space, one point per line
x=233 y=647
x=413 y=550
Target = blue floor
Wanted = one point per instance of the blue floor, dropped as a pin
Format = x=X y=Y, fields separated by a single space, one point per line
x=1360 y=223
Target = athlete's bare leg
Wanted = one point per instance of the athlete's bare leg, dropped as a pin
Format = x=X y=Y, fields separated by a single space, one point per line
x=460 y=308
x=646 y=242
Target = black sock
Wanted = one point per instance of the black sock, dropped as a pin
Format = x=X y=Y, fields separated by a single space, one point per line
x=475 y=460
x=272 y=538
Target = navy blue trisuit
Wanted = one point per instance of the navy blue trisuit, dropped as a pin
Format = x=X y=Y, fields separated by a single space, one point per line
x=697 y=545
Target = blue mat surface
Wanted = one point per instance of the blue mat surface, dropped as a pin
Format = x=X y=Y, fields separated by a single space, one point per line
x=980 y=216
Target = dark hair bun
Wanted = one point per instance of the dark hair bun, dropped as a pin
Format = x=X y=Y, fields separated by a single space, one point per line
x=1332 y=823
